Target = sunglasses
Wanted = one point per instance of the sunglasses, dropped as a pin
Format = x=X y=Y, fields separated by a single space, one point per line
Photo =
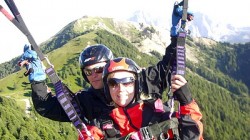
x=89 y=72
x=127 y=82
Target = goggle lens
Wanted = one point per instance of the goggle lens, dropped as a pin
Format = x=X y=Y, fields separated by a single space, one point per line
x=128 y=81
x=89 y=72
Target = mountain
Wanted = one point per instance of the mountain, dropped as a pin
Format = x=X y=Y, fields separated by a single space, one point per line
x=201 y=26
x=217 y=72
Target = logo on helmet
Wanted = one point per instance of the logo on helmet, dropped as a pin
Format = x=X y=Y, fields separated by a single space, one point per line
x=88 y=59
x=122 y=65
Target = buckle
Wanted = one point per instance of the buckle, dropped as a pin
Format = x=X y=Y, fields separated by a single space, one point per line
x=108 y=124
x=108 y=127
x=146 y=133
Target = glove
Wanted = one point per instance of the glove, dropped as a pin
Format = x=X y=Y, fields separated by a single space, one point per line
x=95 y=132
x=183 y=95
x=181 y=3
x=170 y=52
x=28 y=72
x=26 y=47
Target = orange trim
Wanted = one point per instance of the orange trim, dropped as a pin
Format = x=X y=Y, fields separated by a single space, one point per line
x=193 y=110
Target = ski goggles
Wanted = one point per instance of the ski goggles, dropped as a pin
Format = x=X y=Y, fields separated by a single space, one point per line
x=127 y=82
x=89 y=72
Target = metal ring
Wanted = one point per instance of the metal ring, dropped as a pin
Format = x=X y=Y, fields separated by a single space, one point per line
x=162 y=137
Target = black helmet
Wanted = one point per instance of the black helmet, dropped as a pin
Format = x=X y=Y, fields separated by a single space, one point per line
x=120 y=64
x=92 y=55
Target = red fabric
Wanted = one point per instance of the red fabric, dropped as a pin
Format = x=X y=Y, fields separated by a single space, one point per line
x=193 y=110
x=95 y=132
x=121 y=119
x=170 y=134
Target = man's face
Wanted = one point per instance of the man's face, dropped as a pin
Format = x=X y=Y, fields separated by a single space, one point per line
x=94 y=74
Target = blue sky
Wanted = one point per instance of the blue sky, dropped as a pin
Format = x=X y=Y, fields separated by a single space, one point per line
x=45 y=18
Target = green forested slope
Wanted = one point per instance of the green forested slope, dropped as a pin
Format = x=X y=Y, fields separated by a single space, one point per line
x=223 y=99
x=15 y=124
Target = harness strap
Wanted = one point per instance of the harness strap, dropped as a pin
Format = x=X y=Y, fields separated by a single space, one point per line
x=109 y=128
x=159 y=131
x=163 y=130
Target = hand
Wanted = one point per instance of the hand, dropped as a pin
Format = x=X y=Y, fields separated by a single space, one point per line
x=177 y=81
x=24 y=62
x=34 y=69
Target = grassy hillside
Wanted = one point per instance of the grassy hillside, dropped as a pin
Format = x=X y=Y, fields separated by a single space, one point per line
x=15 y=124
x=224 y=100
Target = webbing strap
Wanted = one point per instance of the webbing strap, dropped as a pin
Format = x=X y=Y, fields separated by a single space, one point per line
x=179 y=64
x=184 y=14
x=73 y=101
x=55 y=79
x=157 y=130
x=63 y=95
x=67 y=106
x=181 y=41
x=181 y=54
x=52 y=75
